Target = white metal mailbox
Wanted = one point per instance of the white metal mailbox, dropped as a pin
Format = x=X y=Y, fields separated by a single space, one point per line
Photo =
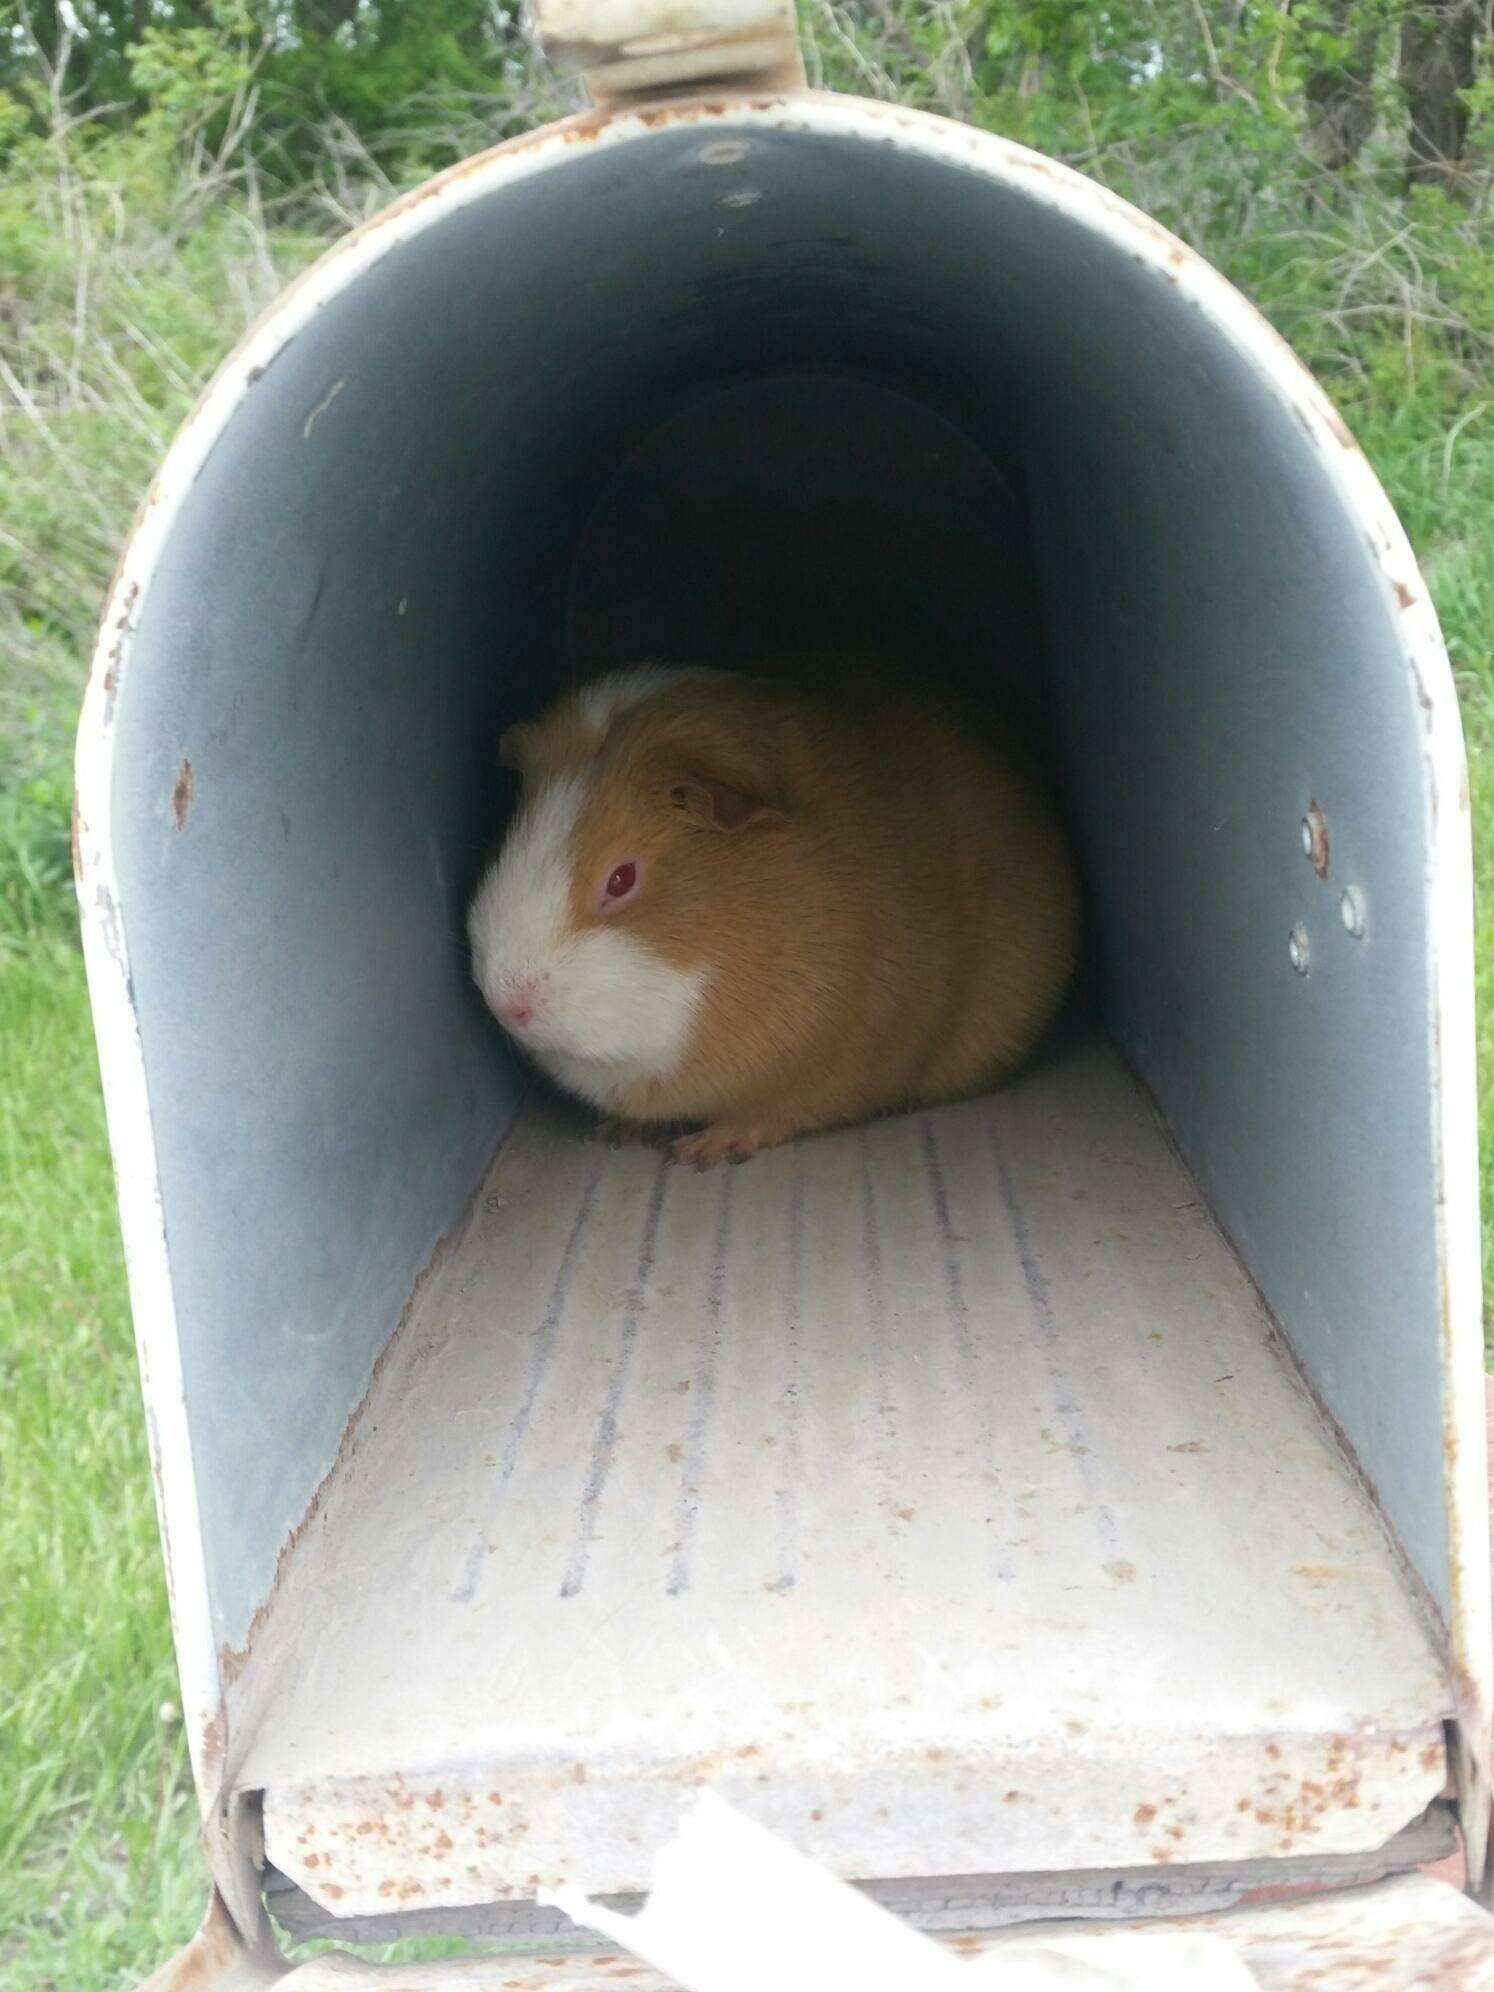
x=1070 y=1503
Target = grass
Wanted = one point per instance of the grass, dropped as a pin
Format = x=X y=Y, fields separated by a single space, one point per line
x=131 y=275
x=95 y=1844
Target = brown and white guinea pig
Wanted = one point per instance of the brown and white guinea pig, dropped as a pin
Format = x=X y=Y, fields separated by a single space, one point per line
x=726 y=901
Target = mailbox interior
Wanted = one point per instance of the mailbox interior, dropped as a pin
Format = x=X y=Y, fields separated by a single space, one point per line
x=1006 y=1496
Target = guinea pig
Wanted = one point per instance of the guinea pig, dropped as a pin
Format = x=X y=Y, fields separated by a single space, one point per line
x=730 y=902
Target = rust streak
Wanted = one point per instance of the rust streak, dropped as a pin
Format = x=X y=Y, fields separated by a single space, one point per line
x=181 y=795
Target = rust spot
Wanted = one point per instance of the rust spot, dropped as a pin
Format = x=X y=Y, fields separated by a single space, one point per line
x=1011 y=1797
x=1143 y=1815
x=1273 y=1751
x=313 y=1860
x=1189 y=1446
x=578 y=1775
x=73 y=839
x=1342 y=433
x=817 y=1814
x=333 y=1889
x=1404 y=595
x=495 y=1798
x=1430 y=1758
x=436 y=1799
x=674 y=1452
x=1315 y=838
x=214 y=1742
x=181 y=795
x=1121 y=1572
x=441 y=1844
x=1075 y=1728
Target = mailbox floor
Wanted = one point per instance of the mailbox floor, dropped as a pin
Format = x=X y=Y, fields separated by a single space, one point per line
x=935 y=1490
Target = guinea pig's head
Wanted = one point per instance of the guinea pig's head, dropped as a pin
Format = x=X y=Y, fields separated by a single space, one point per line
x=646 y=824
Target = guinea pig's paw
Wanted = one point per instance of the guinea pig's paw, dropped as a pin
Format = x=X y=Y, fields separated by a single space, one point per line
x=726 y=1141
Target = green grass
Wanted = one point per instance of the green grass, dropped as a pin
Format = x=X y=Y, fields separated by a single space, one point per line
x=96 y=1851
x=99 y=1874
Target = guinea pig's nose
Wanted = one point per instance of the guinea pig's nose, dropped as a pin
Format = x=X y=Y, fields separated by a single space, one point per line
x=518 y=1006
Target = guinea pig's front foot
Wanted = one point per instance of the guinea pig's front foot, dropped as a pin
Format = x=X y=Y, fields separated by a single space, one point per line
x=728 y=1141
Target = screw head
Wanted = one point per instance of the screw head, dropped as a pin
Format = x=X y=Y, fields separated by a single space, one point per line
x=1297 y=948
x=1351 y=912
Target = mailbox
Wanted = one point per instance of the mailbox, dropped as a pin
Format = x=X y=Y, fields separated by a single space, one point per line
x=1067 y=1503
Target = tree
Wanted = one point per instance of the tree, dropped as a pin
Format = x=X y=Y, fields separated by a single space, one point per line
x=1339 y=90
x=1439 y=44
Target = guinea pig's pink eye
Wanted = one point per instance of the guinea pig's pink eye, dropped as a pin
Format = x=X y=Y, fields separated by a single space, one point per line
x=622 y=883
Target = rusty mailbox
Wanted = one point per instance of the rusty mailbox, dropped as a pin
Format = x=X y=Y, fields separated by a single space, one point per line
x=1067 y=1504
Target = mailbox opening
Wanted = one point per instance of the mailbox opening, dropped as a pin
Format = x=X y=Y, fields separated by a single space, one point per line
x=941 y=1490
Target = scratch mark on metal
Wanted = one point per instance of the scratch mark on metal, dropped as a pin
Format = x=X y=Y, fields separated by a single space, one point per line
x=702 y=1399
x=544 y=1349
x=1042 y=1309
x=884 y=1449
x=321 y=408
x=604 y=1446
x=786 y=1498
x=959 y=1314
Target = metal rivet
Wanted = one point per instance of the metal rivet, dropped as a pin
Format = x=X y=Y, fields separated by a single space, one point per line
x=1351 y=912
x=1297 y=948
x=725 y=152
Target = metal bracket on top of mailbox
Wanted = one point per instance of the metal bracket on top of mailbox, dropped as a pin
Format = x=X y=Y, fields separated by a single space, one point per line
x=624 y=49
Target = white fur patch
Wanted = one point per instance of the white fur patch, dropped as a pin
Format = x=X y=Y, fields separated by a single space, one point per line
x=608 y=1011
x=621 y=690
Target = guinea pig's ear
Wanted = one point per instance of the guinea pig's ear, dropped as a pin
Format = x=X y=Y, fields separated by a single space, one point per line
x=718 y=805
x=514 y=748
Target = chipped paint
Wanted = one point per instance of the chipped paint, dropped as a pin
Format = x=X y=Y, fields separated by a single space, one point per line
x=182 y=791
x=1316 y=845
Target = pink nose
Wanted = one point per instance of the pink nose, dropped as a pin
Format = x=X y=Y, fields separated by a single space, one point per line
x=518 y=1007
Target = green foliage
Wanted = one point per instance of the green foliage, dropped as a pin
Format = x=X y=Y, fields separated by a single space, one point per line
x=401 y=73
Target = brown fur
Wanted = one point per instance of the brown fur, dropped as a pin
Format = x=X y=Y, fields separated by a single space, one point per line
x=894 y=921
